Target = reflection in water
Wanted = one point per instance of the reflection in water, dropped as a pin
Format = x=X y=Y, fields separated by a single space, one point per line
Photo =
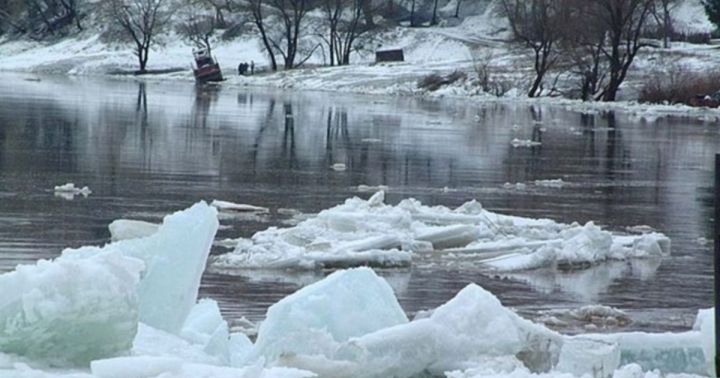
x=146 y=149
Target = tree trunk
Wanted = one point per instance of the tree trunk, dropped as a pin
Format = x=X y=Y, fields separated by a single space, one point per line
x=412 y=14
x=457 y=9
x=367 y=12
x=434 y=16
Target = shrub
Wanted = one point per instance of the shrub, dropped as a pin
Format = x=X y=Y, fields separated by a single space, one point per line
x=677 y=85
x=434 y=81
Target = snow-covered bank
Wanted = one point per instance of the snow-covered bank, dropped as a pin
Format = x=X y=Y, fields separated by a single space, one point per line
x=440 y=49
x=370 y=232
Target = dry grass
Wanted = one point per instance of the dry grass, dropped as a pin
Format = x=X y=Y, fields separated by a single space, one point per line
x=677 y=85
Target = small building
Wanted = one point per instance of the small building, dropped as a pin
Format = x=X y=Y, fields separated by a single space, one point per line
x=389 y=55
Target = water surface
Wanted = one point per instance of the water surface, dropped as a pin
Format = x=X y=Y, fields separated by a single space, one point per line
x=147 y=149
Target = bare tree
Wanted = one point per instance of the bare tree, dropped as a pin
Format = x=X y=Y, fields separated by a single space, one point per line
x=198 y=28
x=582 y=42
x=457 y=8
x=434 y=19
x=343 y=19
x=662 y=12
x=291 y=14
x=259 y=18
x=141 y=20
x=624 y=21
x=537 y=24
x=219 y=6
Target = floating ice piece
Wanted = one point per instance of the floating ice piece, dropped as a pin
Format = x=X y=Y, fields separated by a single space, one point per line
x=581 y=356
x=597 y=315
x=665 y=352
x=206 y=327
x=370 y=188
x=371 y=232
x=338 y=167
x=70 y=311
x=705 y=324
x=318 y=317
x=524 y=143
x=124 y=229
x=69 y=191
x=517 y=186
x=450 y=236
x=470 y=326
x=70 y=188
x=175 y=258
x=370 y=140
x=231 y=206
x=553 y=183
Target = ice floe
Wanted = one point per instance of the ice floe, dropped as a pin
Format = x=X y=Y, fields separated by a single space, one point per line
x=517 y=143
x=69 y=191
x=231 y=206
x=124 y=229
x=370 y=232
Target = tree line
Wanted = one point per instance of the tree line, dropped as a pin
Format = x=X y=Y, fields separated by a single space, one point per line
x=597 y=40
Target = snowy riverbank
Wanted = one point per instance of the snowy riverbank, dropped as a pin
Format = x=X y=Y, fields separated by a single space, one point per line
x=477 y=39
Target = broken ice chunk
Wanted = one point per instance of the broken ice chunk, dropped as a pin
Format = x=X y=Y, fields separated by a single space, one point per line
x=705 y=324
x=524 y=143
x=70 y=311
x=231 y=206
x=316 y=318
x=206 y=327
x=472 y=325
x=69 y=191
x=450 y=236
x=175 y=258
x=124 y=229
x=581 y=356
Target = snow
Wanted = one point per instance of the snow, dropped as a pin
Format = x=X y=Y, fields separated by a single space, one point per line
x=70 y=311
x=370 y=232
x=317 y=318
x=124 y=229
x=175 y=258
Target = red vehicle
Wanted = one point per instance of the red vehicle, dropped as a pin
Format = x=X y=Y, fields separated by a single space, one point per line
x=710 y=101
x=206 y=68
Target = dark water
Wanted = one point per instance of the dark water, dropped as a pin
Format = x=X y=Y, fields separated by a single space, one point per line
x=149 y=149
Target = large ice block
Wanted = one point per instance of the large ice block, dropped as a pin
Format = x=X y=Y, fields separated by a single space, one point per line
x=316 y=318
x=581 y=356
x=705 y=324
x=175 y=258
x=206 y=327
x=71 y=310
x=472 y=325
x=664 y=352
